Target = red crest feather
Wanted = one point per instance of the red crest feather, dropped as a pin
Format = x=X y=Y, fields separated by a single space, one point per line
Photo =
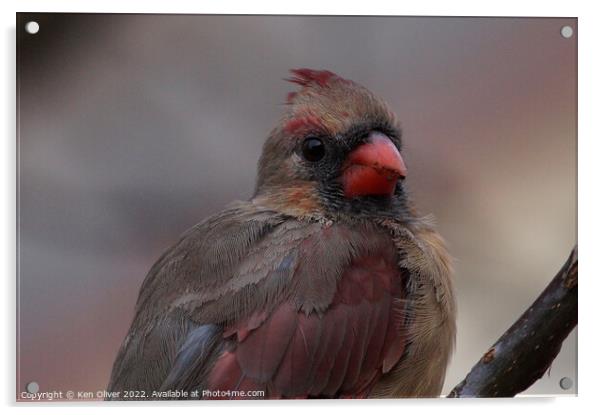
x=305 y=77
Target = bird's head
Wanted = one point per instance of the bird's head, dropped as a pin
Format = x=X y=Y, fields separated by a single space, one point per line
x=336 y=151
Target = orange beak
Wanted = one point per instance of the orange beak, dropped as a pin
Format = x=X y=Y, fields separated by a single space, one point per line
x=373 y=168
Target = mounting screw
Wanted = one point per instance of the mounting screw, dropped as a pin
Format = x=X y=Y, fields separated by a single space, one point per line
x=566 y=383
x=32 y=387
x=32 y=28
x=566 y=32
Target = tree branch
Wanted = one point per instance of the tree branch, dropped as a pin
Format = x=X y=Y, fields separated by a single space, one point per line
x=526 y=350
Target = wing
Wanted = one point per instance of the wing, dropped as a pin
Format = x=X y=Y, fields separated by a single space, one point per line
x=203 y=260
x=256 y=302
x=341 y=352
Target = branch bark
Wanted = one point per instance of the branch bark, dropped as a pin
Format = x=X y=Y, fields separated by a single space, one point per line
x=527 y=349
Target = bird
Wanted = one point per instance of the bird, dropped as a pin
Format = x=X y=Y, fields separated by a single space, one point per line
x=326 y=283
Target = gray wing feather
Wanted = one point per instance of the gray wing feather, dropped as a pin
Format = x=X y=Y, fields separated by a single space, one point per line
x=201 y=344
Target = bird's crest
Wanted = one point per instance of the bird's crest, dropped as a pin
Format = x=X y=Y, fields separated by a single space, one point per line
x=311 y=77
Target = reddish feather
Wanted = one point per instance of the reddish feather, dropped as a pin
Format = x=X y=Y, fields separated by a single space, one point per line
x=226 y=372
x=394 y=342
x=331 y=344
x=358 y=352
x=244 y=327
x=307 y=122
x=341 y=359
x=295 y=368
x=290 y=97
x=311 y=77
x=306 y=77
x=376 y=345
x=342 y=353
x=261 y=352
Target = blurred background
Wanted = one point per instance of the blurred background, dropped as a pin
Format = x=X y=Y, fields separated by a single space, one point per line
x=133 y=128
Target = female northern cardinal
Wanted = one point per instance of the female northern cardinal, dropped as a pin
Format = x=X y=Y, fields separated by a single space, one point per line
x=325 y=284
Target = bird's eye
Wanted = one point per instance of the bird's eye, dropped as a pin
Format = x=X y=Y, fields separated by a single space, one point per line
x=313 y=149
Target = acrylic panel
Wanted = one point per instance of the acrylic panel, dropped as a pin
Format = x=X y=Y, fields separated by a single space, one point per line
x=134 y=128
